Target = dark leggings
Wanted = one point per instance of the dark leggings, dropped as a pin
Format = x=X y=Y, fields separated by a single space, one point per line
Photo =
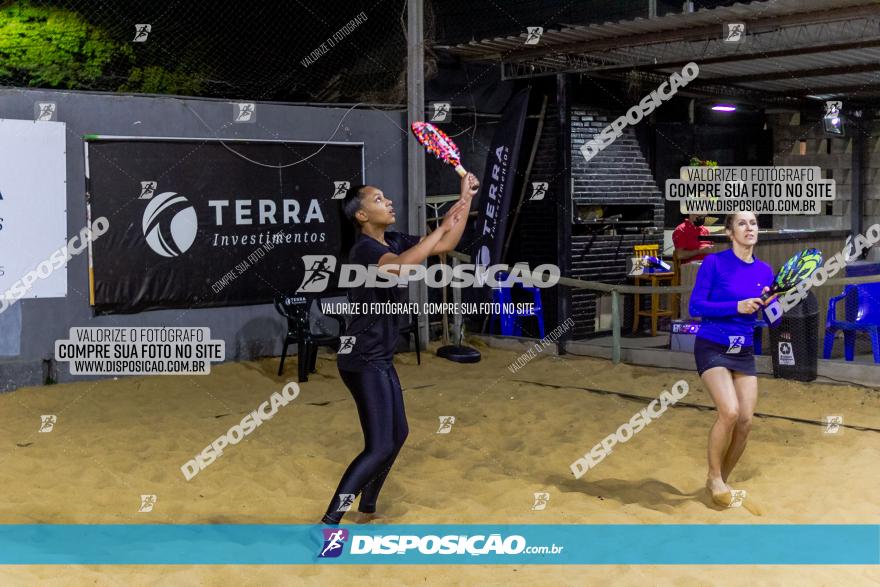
x=379 y=401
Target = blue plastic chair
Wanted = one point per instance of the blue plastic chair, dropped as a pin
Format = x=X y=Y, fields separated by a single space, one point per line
x=510 y=321
x=503 y=321
x=862 y=313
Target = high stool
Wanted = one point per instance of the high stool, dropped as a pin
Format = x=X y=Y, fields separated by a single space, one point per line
x=655 y=311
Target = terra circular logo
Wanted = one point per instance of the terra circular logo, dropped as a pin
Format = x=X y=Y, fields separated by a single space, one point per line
x=170 y=224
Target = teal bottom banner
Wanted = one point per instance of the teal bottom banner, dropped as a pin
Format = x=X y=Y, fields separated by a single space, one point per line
x=559 y=544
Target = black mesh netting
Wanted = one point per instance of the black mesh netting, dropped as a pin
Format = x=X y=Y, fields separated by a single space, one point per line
x=327 y=51
x=300 y=50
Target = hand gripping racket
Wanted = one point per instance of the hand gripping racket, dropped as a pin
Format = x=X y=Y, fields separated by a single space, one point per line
x=439 y=144
x=800 y=267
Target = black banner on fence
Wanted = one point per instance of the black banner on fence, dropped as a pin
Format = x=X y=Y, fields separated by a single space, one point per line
x=499 y=179
x=195 y=224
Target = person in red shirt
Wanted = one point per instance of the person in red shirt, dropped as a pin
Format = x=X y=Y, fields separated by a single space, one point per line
x=686 y=239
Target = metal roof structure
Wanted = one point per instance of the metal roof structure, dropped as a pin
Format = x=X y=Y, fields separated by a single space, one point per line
x=792 y=49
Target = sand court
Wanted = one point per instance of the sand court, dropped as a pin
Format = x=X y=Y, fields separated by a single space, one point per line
x=513 y=435
x=185 y=205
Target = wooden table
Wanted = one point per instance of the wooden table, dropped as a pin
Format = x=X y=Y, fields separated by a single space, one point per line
x=655 y=311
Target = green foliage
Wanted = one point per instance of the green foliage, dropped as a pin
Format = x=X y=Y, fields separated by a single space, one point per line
x=43 y=46
x=158 y=80
x=697 y=162
x=51 y=47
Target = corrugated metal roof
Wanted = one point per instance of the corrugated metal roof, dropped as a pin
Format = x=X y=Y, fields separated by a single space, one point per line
x=782 y=27
x=739 y=12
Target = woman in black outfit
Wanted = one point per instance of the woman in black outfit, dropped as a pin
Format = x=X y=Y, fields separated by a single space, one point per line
x=367 y=369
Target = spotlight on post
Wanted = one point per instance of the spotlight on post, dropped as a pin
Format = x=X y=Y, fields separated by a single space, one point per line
x=833 y=121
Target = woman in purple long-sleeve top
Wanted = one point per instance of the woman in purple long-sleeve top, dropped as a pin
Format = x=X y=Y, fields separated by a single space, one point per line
x=726 y=296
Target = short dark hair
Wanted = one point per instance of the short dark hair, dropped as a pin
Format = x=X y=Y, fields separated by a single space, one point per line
x=352 y=203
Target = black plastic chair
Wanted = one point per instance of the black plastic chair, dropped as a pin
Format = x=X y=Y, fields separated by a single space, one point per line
x=412 y=329
x=296 y=310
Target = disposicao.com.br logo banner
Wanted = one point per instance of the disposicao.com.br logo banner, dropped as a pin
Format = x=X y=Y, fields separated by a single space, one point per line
x=405 y=541
x=542 y=544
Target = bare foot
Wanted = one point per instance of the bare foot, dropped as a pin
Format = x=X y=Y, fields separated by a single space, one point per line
x=733 y=498
x=716 y=486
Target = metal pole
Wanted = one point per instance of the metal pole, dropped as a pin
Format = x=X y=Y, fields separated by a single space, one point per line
x=456 y=318
x=857 y=173
x=445 y=313
x=528 y=173
x=615 y=326
x=563 y=202
x=415 y=90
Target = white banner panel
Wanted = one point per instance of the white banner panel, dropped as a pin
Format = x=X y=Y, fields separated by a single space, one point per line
x=33 y=205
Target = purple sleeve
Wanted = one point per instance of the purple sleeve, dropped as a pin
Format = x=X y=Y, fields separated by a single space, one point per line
x=769 y=277
x=700 y=306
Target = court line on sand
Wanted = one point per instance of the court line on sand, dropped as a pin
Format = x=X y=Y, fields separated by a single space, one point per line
x=692 y=405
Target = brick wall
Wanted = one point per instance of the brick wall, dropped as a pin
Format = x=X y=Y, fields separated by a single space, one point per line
x=792 y=136
x=619 y=174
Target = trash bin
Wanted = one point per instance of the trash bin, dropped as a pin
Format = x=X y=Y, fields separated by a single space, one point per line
x=794 y=342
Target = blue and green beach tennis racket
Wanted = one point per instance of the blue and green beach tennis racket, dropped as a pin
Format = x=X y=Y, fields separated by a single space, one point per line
x=800 y=267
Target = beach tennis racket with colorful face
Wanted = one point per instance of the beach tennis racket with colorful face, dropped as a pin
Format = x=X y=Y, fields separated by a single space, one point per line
x=658 y=263
x=800 y=267
x=439 y=144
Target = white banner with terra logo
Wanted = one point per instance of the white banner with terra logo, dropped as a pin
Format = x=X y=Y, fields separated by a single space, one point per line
x=33 y=204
